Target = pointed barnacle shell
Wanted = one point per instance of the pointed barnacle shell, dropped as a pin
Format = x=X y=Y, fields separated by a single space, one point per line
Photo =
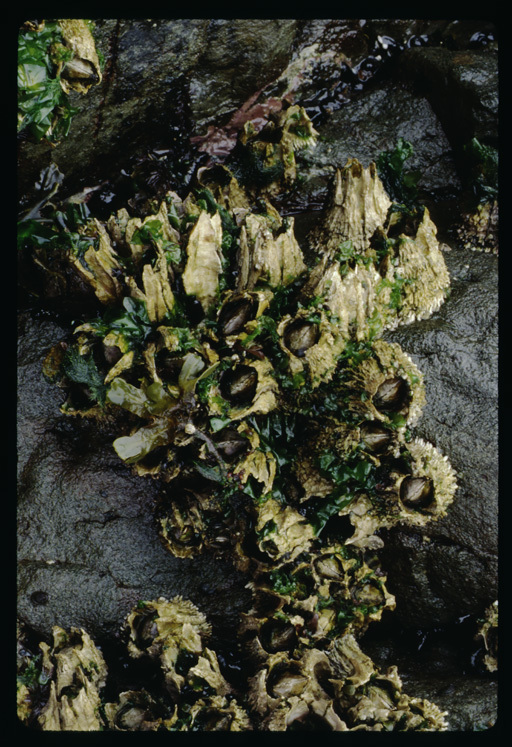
x=258 y=464
x=100 y=267
x=282 y=531
x=157 y=290
x=83 y=69
x=298 y=130
x=387 y=384
x=349 y=663
x=182 y=526
x=421 y=264
x=354 y=298
x=161 y=628
x=207 y=670
x=262 y=257
x=309 y=477
x=429 y=490
x=204 y=259
x=77 y=671
x=359 y=204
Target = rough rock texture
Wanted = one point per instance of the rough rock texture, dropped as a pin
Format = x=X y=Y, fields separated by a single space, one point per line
x=88 y=548
x=454 y=571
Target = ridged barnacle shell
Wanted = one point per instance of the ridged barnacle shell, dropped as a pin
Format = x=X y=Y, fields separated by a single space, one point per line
x=77 y=672
x=182 y=524
x=357 y=299
x=295 y=693
x=83 y=69
x=429 y=490
x=358 y=205
x=161 y=629
x=204 y=259
x=281 y=531
x=136 y=710
x=99 y=267
x=225 y=188
x=370 y=698
x=312 y=343
x=387 y=384
x=256 y=384
x=421 y=265
x=264 y=257
x=218 y=713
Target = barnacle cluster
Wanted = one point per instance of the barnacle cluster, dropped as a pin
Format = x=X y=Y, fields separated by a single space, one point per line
x=257 y=388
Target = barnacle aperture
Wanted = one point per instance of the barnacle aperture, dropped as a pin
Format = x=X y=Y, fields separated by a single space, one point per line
x=300 y=335
x=238 y=385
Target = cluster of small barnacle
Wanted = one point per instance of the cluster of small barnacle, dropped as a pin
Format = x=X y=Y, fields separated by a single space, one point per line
x=279 y=422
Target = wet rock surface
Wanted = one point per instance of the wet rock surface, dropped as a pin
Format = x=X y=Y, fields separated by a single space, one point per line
x=88 y=547
x=451 y=567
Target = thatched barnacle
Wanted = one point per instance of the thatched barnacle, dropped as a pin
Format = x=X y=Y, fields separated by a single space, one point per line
x=258 y=391
x=137 y=710
x=312 y=343
x=77 y=672
x=387 y=386
x=162 y=628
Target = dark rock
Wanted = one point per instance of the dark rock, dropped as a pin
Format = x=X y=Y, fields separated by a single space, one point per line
x=462 y=86
x=87 y=539
x=450 y=567
x=370 y=124
x=164 y=80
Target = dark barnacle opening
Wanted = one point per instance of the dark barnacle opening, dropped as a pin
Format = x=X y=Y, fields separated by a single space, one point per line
x=392 y=395
x=238 y=385
x=416 y=492
x=300 y=335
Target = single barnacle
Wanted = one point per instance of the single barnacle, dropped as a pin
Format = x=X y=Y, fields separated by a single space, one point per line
x=387 y=386
x=312 y=343
x=420 y=266
x=281 y=531
x=246 y=390
x=136 y=710
x=82 y=70
x=204 y=260
x=275 y=258
x=217 y=713
x=77 y=672
x=358 y=206
x=161 y=629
